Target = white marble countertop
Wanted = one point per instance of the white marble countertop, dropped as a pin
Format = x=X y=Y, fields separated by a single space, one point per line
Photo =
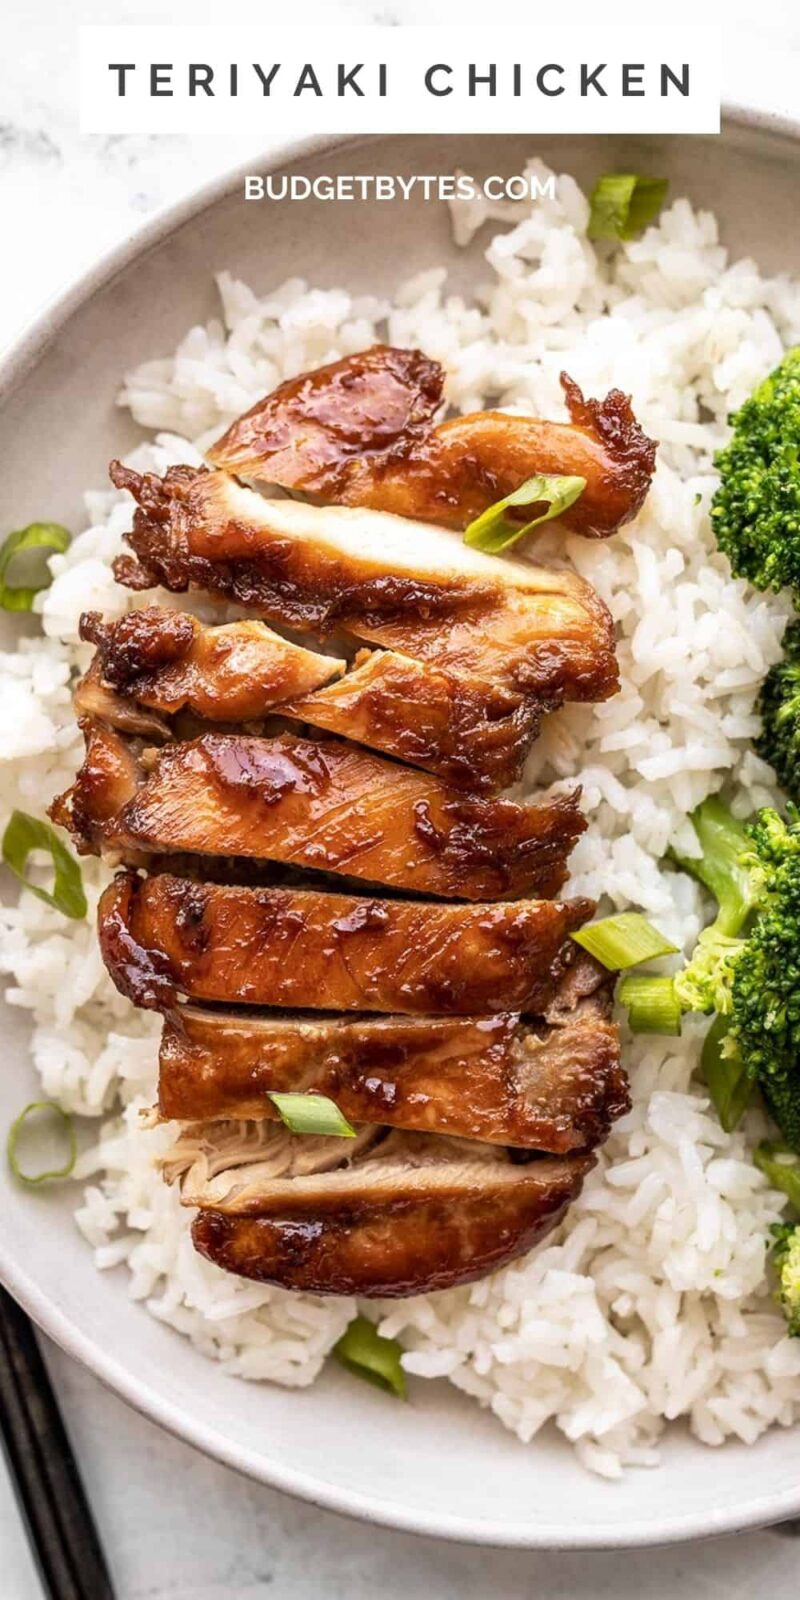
x=176 y=1526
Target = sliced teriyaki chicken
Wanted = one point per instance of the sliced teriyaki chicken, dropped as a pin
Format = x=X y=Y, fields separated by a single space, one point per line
x=360 y=432
x=324 y=806
x=409 y=586
x=103 y=787
x=373 y=406
x=492 y=1078
x=164 y=936
x=467 y=733
x=411 y=1213
x=244 y=1154
x=168 y=661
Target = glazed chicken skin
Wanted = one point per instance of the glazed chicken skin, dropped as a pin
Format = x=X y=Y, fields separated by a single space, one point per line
x=360 y=432
x=164 y=936
x=470 y=735
x=407 y=586
x=493 y=1078
x=321 y=806
x=168 y=661
x=372 y=407
x=416 y=1212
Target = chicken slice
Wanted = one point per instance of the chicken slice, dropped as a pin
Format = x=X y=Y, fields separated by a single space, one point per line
x=360 y=432
x=491 y=1078
x=324 y=806
x=415 y=1212
x=408 y=586
x=236 y=1158
x=164 y=936
x=104 y=785
x=468 y=734
x=168 y=661
x=373 y=406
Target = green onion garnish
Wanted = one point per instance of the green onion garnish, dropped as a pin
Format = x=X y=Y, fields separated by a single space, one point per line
x=364 y=1351
x=781 y=1167
x=24 y=834
x=624 y=941
x=37 y=536
x=622 y=204
x=725 y=1075
x=312 y=1113
x=652 y=1004
x=66 y=1131
x=493 y=531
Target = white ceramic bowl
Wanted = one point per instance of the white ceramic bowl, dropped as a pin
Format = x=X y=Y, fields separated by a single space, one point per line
x=437 y=1465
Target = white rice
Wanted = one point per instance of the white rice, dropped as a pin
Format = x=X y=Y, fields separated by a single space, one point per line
x=651 y=1302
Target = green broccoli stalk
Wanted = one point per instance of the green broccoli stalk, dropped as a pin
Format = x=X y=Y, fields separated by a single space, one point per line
x=704 y=984
x=722 y=867
x=746 y=964
x=755 y=512
x=779 y=741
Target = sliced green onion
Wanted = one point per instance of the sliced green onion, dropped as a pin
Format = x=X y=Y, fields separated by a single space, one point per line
x=493 y=531
x=66 y=1130
x=725 y=1074
x=652 y=1004
x=24 y=834
x=781 y=1167
x=623 y=203
x=364 y=1351
x=624 y=941
x=312 y=1113
x=37 y=536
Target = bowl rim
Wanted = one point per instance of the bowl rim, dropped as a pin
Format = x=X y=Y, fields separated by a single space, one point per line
x=16 y=360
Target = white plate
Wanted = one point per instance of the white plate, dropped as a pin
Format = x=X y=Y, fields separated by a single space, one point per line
x=437 y=1465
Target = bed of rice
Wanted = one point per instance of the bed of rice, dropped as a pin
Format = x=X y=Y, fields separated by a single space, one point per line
x=651 y=1302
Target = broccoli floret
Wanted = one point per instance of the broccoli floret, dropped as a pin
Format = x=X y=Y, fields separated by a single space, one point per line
x=765 y=989
x=704 y=984
x=755 y=512
x=774 y=842
x=779 y=742
x=786 y=1261
x=746 y=965
x=782 y=1171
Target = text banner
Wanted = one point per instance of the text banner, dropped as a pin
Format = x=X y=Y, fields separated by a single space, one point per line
x=376 y=79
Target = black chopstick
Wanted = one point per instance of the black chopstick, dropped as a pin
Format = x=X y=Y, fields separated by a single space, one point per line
x=44 y=1472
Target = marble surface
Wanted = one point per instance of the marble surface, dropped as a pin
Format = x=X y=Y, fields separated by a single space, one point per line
x=70 y=197
x=176 y=1526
